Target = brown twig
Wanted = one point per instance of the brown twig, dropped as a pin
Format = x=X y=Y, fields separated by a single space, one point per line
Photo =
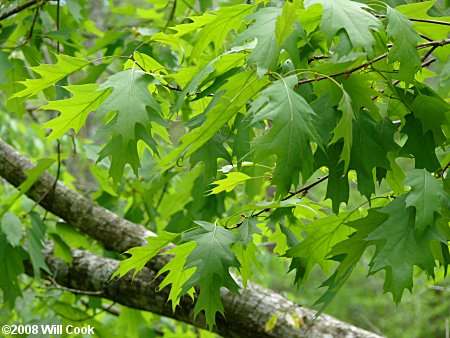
x=396 y=82
x=74 y=291
x=305 y=189
x=428 y=53
x=442 y=173
x=423 y=36
x=20 y=8
x=347 y=72
x=302 y=191
x=53 y=187
x=344 y=72
x=436 y=22
x=171 y=15
x=30 y=33
x=429 y=62
x=58 y=5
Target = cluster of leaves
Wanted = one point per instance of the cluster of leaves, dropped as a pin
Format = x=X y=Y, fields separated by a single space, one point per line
x=275 y=94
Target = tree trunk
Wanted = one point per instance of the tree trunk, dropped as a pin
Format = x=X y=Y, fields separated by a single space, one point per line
x=246 y=315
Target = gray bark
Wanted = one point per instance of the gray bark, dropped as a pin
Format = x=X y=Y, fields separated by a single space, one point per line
x=246 y=315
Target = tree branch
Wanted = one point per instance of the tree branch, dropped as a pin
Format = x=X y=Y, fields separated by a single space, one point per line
x=246 y=314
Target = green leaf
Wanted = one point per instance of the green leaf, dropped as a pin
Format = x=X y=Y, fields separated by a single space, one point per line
x=271 y=322
x=148 y=64
x=348 y=253
x=399 y=247
x=11 y=267
x=247 y=258
x=344 y=128
x=359 y=88
x=323 y=234
x=371 y=143
x=205 y=4
x=433 y=112
x=142 y=254
x=395 y=176
x=405 y=39
x=193 y=84
x=33 y=175
x=338 y=189
x=36 y=236
x=290 y=135
x=265 y=54
x=135 y=109
x=61 y=249
x=244 y=134
x=420 y=145
x=420 y=10
x=350 y=16
x=177 y=275
x=180 y=193
x=227 y=184
x=216 y=31
x=50 y=74
x=196 y=22
x=72 y=236
x=75 y=7
x=285 y=22
x=337 y=182
x=12 y=228
x=75 y=110
x=425 y=196
x=212 y=257
x=129 y=322
x=247 y=229
x=237 y=91
x=12 y=71
x=209 y=153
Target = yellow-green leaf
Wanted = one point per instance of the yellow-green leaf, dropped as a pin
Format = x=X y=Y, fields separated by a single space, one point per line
x=271 y=322
x=50 y=74
x=74 y=110
x=230 y=182
x=142 y=254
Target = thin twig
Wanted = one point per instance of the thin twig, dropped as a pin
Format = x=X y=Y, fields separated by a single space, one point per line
x=111 y=309
x=428 y=53
x=396 y=82
x=305 y=189
x=171 y=15
x=55 y=183
x=30 y=33
x=423 y=36
x=442 y=173
x=57 y=23
x=429 y=62
x=437 y=43
x=436 y=22
x=74 y=291
x=20 y=8
x=344 y=72
x=302 y=191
